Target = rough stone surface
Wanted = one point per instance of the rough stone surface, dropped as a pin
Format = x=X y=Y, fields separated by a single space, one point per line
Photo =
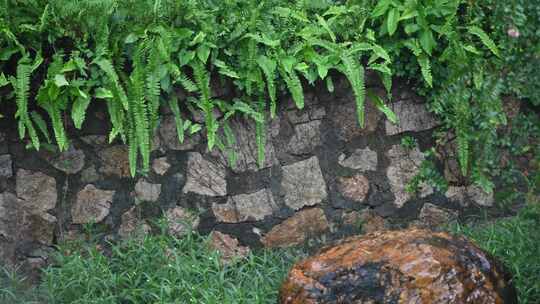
x=92 y=205
x=313 y=112
x=161 y=165
x=94 y=140
x=433 y=216
x=36 y=190
x=411 y=117
x=89 y=175
x=345 y=119
x=367 y=221
x=409 y=266
x=6 y=166
x=70 y=162
x=246 y=149
x=228 y=247
x=181 y=221
x=303 y=184
x=132 y=225
x=354 y=188
x=480 y=197
x=297 y=229
x=169 y=137
x=465 y=194
x=205 y=177
x=147 y=192
x=307 y=136
x=20 y=225
x=404 y=165
x=245 y=207
x=361 y=159
x=115 y=161
x=40 y=228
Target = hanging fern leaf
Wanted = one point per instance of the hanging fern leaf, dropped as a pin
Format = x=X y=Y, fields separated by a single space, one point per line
x=355 y=74
x=78 y=111
x=41 y=125
x=478 y=32
x=268 y=66
x=173 y=103
x=425 y=67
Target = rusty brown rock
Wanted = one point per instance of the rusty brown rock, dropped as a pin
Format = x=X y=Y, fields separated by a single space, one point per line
x=296 y=229
x=227 y=246
x=354 y=188
x=407 y=266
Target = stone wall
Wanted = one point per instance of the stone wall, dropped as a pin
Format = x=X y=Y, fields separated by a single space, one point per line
x=323 y=175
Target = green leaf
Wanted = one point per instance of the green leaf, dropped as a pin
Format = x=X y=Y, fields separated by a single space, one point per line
x=325 y=25
x=78 y=111
x=203 y=51
x=224 y=69
x=427 y=41
x=185 y=57
x=60 y=80
x=425 y=67
x=103 y=93
x=379 y=104
x=3 y=80
x=392 y=21
x=41 y=124
x=474 y=30
x=263 y=39
x=381 y=8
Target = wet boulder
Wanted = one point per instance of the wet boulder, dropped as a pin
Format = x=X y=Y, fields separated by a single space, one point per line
x=407 y=266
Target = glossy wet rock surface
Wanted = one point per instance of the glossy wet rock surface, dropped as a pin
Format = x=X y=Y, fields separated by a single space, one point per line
x=407 y=266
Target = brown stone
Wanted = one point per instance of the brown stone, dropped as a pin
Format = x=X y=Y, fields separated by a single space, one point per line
x=132 y=225
x=160 y=165
x=147 y=192
x=432 y=216
x=115 y=161
x=296 y=229
x=92 y=205
x=70 y=161
x=408 y=266
x=367 y=221
x=345 y=119
x=245 y=207
x=36 y=190
x=181 y=221
x=227 y=246
x=354 y=188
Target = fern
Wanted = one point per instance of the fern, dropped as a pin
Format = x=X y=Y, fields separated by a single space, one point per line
x=425 y=67
x=78 y=110
x=478 y=32
x=22 y=89
x=268 y=66
x=355 y=74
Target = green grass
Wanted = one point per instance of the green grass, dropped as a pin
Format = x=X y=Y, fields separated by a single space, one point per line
x=163 y=269
x=516 y=242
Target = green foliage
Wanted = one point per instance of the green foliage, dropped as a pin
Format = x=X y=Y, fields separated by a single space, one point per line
x=163 y=269
x=515 y=241
x=136 y=55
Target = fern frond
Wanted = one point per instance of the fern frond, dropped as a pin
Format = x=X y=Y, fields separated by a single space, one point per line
x=425 y=67
x=268 y=66
x=202 y=78
x=488 y=42
x=295 y=87
x=41 y=125
x=78 y=111
x=173 y=103
x=355 y=74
